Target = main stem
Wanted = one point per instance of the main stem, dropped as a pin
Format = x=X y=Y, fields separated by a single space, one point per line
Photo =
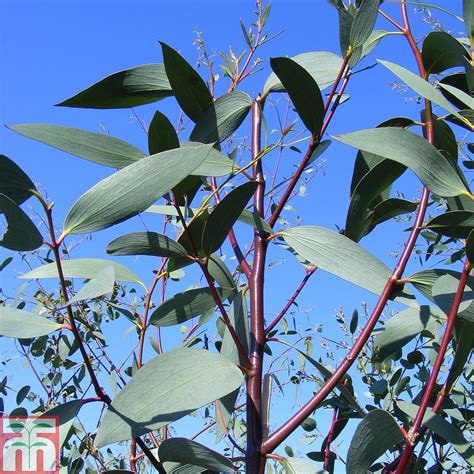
x=255 y=462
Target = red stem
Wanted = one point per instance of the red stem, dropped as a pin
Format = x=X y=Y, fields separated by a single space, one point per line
x=327 y=451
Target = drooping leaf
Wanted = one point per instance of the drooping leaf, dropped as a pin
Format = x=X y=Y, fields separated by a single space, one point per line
x=254 y=220
x=468 y=123
x=451 y=433
x=373 y=40
x=86 y=268
x=420 y=86
x=129 y=88
x=346 y=18
x=132 y=189
x=220 y=272
x=400 y=329
x=190 y=90
x=364 y=22
x=186 y=451
x=468 y=16
x=146 y=243
x=464 y=98
x=186 y=305
x=303 y=91
x=224 y=215
x=215 y=164
x=453 y=223
x=321 y=65
x=470 y=247
x=294 y=465
x=376 y=433
x=444 y=138
x=14 y=183
x=457 y=81
x=222 y=118
x=161 y=134
x=464 y=345
x=340 y=256
x=101 y=284
x=21 y=324
x=389 y=208
x=413 y=151
x=21 y=234
x=444 y=290
x=442 y=51
x=169 y=386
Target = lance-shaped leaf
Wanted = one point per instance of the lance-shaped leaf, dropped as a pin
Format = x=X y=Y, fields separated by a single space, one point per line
x=443 y=291
x=442 y=51
x=468 y=115
x=224 y=215
x=400 y=329
x=23 y=324
x=215 y=164
x=340 y=256
x=364 y=22
x=14 y=183
x=254 y=220
x=21 y=234
x=129 y=88
x=464 y=98
x=161 y=134
x=186 y=305
x=453 y=223
x=470 y=247
x=294 y=465
x=169 y=386
x=146 y=243
x=451 y=433
x=303 y=91
x=389 y=208
x=86 y=268
x=420 y=86
x=186 y=451
x=222 y=118
x=97 y=147
x=413 y=151
x=376 y=433
x=220 y=272
x=321 y=65
x=190 y=90
x=132 y=189
x=468 y=16
x=99 y=285
x=458 y=81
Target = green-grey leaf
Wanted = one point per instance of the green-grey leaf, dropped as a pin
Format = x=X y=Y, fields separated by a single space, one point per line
x=303 y=91
x=321 y=65
x=86 y=268
x=186 y=451
x=190 y=90
x=101 y=284
x=146 y=243
x=376 y=433
x=453 y=223
x=22 y=324
x=299 y=466
x=468 y=16
x=21 y=234
x=389 y=208
x=224 y=215
x=444 y=290
x=132 y=189
x=169 y=386
x=364 y=22
x=460 y=95
x=443 y=428
x=220 y=272
x=470 y=247
x=14 y=183
x=254 y=220
x=413 y=151
x=400 y=329
x=186 y=305
x=128 y=88
x=222 y=118
x=161 y=134
x=215 y=164
x=442 y=51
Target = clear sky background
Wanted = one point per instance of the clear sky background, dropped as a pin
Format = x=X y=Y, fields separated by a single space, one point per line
x=52 y=49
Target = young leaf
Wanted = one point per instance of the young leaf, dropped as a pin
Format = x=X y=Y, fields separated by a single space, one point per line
x=14 y=183
x=186 y=451
x=22 y=324
x=101 y=284
x=222 y=118
x=129 y=88
x=161 y=134
x=224 y=215
x=97 y=147
x=364 y=22
x=21 y=234
x=303 y=91
x=146 y=243
x=86 y=268
x=413 y=151
x=376 y=433
x=456 y=224
x=132 y=189
x=442 y=51
x=190 y=90
x=169 y=386
x=183 y=306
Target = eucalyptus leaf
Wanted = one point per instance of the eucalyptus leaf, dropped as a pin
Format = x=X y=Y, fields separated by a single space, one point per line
x=161 y=134
x=466 y=99
x=21 y=324
x=298 y=466
x=442 y=51
x=14 y=182
x=389 y=208
x=444 y=290
x=364 y=22
x=456 y=224
x=102 y=283
x=470 y=247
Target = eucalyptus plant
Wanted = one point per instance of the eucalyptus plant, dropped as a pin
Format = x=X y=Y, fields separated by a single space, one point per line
x=215 y=197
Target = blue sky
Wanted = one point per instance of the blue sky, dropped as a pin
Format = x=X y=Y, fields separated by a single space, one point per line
x=53 y=49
